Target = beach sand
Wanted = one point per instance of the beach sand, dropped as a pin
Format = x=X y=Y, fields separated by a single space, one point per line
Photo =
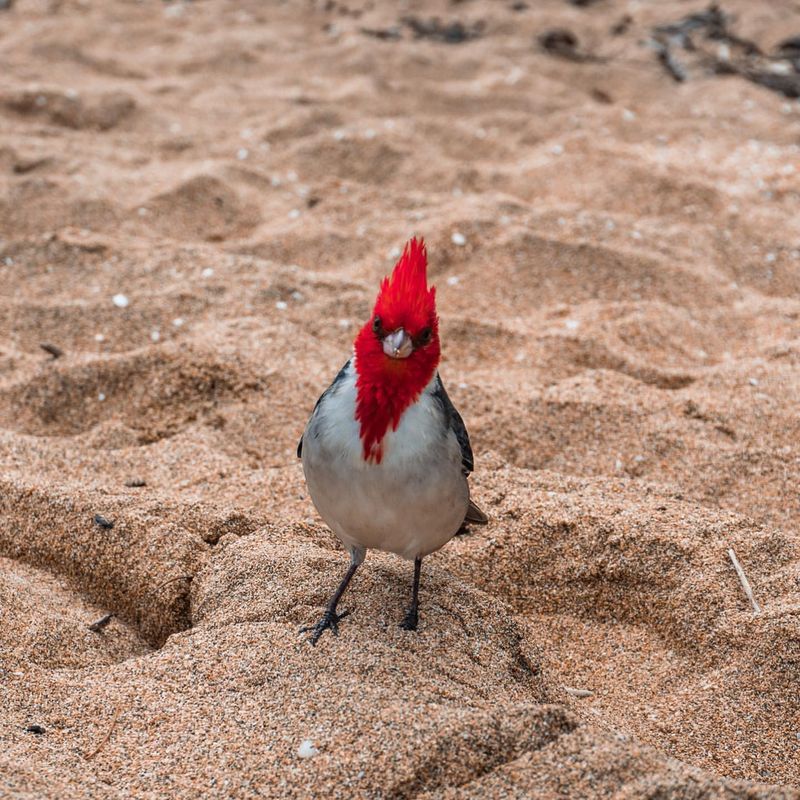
x=197 y=202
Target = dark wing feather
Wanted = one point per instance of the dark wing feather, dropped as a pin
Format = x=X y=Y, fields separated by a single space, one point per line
x=339 y=377
x=456 y=424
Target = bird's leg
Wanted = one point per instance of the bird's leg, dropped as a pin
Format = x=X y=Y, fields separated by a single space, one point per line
x=330 y=619
x=409 y=622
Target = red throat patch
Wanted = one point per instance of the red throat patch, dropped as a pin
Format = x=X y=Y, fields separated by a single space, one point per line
x=387 y=386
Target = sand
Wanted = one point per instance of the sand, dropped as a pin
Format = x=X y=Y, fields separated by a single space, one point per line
x=197 y=201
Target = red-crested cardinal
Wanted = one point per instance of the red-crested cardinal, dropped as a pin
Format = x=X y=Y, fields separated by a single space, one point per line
x=385 y=454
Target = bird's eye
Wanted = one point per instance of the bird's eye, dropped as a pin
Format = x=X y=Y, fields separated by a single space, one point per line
x=377 y=325
x=424 y=336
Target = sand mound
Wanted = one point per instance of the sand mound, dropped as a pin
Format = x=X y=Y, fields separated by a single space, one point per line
x=197 y=201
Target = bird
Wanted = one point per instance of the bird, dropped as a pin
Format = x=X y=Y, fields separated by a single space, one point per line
x=385 y=454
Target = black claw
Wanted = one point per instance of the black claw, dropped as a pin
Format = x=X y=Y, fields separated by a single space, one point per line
x=330 y=619
x=410 y=620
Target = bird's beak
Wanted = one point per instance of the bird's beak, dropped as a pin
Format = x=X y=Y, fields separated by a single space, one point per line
x=397 y=344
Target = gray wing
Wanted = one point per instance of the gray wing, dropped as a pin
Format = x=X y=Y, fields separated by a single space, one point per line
x=339 y=377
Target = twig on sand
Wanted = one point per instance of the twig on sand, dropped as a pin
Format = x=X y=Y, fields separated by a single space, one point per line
x=105 y=739
x=167 y=583
x=578 y=692
x=97 y=627
x=743 y=580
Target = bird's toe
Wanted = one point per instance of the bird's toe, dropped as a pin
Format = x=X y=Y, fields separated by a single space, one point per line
x=330 y=620
x=410 y=620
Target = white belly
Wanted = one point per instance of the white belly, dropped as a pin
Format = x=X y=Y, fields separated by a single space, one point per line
x=412 y=503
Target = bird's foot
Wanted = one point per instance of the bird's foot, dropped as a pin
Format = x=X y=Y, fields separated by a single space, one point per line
x=410 y=620
x=330 y=619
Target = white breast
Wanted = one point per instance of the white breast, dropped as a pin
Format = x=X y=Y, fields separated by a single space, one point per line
x=411 y=503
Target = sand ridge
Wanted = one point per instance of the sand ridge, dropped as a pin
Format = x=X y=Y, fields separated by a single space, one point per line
x=197 y=201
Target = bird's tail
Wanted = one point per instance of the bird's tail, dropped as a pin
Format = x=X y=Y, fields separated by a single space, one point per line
x=475 y=515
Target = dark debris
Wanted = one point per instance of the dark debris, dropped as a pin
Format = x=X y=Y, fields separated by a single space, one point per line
x=100 y=624
x=55 y=352
x=563 y=43
x=103 y=522
x=706 y=40
x=434 y=29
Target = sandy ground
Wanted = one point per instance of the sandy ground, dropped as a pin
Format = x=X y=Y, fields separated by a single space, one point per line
x=196 y=204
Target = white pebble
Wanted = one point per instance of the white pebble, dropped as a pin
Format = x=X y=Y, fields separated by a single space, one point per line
x=453 y=280
x=242 y=153
x=294 y=213
x=101 y=397
x=291 y=176
x=770 y=258
x=339 y=135
x=9 y=261
x=628 y=115
x=120 y=301
x=98 y=337
x=298 y=296
x=557 y=149
x=307 y=749
x=344 y=323
x=394 y=253
x=178 y=321
x=275 y=180
x=572 y=324
x=207 y=272
x=141 y=211
x=281 y=305
x=458 y=239
x=753 y=381
x=155 y=335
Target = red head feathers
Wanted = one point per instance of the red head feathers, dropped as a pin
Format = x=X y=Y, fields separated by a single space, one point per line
x=397 y=350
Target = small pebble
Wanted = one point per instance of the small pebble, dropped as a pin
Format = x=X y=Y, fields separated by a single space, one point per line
x=458 y=239
x=120 y=301
x=307 y=749
x=453 y=280
x=103 y=522
x=281 y=305
x=207 y=272
x=37 y=729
